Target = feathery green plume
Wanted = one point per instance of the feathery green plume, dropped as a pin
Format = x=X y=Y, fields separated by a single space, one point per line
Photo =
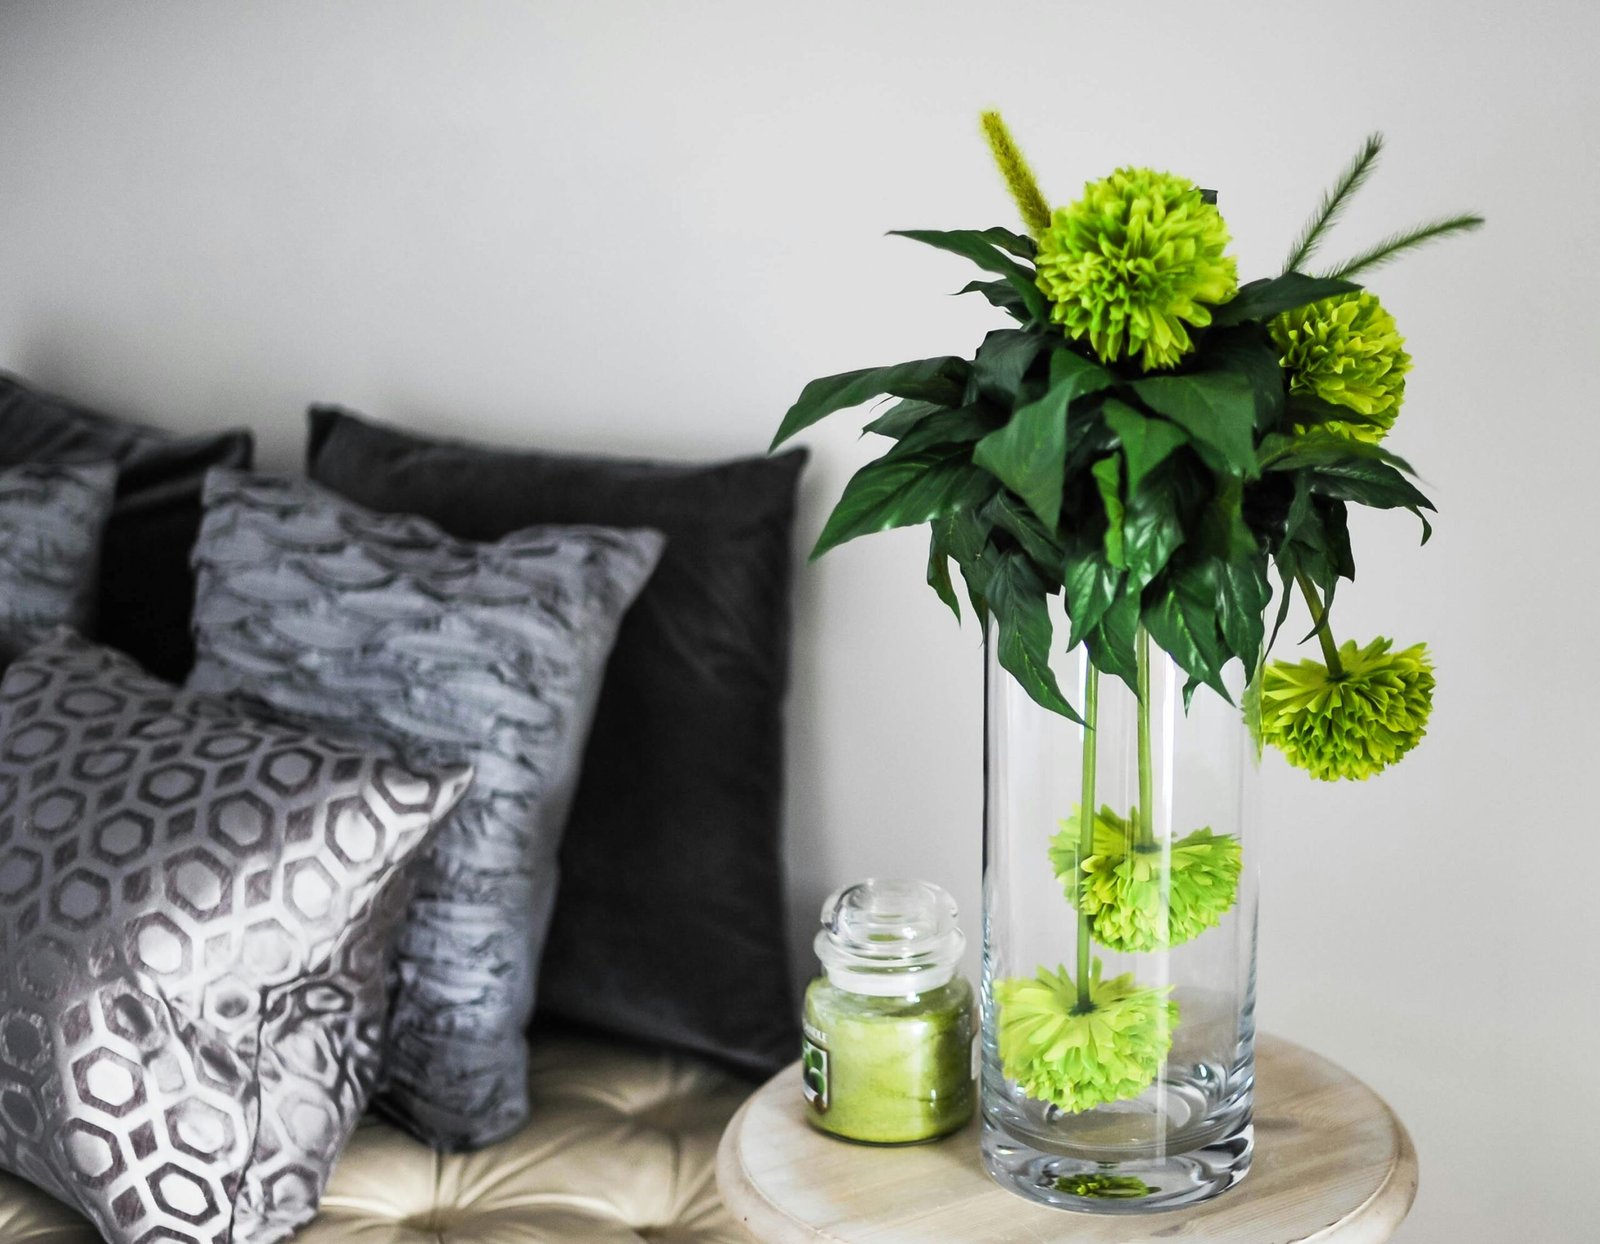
x=1142 y=897
x=1397 y=244
x=1134 y=261
x=1353 y=724
x=1019 y=177
x=1334 y=202
x=1078 y=1057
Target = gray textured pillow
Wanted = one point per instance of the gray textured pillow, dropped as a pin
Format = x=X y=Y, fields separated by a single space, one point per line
x=51 y=521
x=384 y=627
x=195 y=908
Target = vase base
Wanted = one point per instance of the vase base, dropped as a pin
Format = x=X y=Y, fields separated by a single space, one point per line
x=1128 y=1186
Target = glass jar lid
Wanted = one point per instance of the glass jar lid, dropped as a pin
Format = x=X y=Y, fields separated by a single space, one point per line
x=889 y=938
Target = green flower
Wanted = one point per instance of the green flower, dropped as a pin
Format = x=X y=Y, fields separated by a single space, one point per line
x=1353 y=725
x=1138 y=897
x=1076 y=1058
x=1131 y=263
x=1112 y=1187
x=1347 y=351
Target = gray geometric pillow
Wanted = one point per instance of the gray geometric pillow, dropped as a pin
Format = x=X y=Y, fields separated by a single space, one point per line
x=52 y=518
x=384 y=628
x=194 y=908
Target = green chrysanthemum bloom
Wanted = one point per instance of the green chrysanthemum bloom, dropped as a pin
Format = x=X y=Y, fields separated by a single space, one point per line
x=1078 y=1059
x=1347 y=351
x=1355 y=725
x=1138 y=898
x=1133 y=263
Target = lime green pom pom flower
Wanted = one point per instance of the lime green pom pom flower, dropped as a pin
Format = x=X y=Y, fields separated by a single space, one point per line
x=1347 y=351
x=1137 y=897
x=1076 y=1057
x=1352 y=725
x=1133 y=263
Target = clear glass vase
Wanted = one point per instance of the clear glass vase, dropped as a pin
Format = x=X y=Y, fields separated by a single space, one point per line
x=1119 y=954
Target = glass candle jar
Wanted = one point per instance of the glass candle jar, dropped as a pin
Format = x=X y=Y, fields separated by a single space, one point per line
x=888 y=1045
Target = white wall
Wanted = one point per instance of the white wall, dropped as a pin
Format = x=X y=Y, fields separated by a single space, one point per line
x=640 y=227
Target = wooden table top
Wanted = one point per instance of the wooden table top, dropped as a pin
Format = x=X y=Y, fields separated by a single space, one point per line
x=1332 y=1163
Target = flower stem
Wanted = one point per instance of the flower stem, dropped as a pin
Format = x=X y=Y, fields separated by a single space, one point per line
x=1147 y=833
x=1091 y=714
x=1319 y=616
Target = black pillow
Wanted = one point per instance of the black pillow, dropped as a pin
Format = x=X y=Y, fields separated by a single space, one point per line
x=669 y=923
x=146 y=587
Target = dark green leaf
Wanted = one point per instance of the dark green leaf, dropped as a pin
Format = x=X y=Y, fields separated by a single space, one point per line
x=1217 y=409
x=1158 y=514
x=1001 y=362
x=1018 y=244
x=1146 y=442
x=1221 y=531
x=1110 y=644
x=1108 y=478
x=1090 y=583
x=822 y=397
x=902 y=417
x=1243 y=593
x=1182 y=618
x=1319 y=448
x=947 y=387
x=901 y=492
x=965 y=537
x=1309 y=547
x=999 y=294
x=939 y=570
x=1308 y=411
x=1028 y=455
x=1008 y=515
x=1270 y=296
x=946 y=429
x=1017 y=596
x=1248 y=351
x=1286 y=572
x=1375 y=484
x=978 y=246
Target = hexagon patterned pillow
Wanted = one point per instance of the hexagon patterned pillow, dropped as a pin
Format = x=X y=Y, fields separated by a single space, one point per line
x=196 y=907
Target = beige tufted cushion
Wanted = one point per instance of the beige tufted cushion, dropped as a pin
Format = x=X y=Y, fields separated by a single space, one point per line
x=622 y=1147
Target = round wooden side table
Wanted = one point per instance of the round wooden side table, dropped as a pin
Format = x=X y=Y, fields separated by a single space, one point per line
x=1332 y=1163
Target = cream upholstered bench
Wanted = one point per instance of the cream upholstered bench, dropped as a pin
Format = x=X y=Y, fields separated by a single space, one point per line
x=621 y=1147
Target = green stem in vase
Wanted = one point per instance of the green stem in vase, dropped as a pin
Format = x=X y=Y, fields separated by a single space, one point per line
x=1146 y=830
x=1319 y=617
x=1091 y=713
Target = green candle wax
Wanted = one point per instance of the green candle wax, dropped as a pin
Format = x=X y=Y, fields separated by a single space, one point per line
x=889 y=1070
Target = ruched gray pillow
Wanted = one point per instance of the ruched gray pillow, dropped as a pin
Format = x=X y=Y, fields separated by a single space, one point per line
x=383 y=627
x=196 y=908
x=51 y=522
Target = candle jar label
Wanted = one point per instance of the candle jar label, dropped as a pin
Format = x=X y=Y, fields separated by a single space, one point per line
x=814 y=1069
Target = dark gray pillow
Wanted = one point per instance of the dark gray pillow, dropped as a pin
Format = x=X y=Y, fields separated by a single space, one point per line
x=692 y=712
x=385 y=628
x=51 y=522
x=195 y=909
x=145 y=587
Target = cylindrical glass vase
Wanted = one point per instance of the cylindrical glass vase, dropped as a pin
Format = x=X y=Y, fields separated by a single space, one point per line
x=1119 y=947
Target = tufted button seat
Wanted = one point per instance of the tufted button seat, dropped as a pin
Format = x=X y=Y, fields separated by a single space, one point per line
x=621 y=1148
